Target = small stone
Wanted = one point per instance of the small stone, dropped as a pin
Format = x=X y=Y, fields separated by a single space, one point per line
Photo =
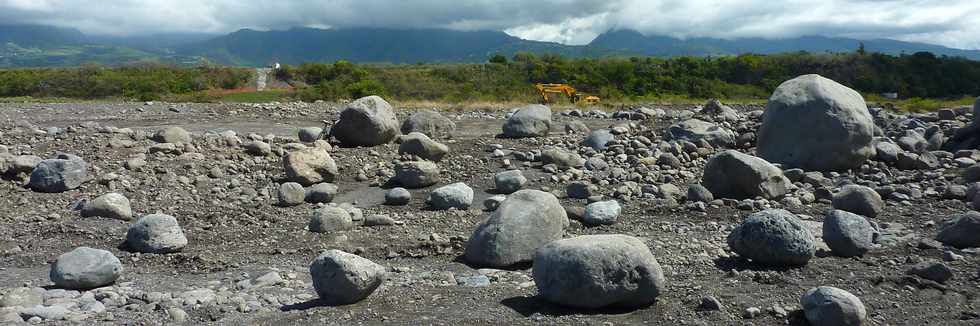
x=397 y=196
x=321 y=193
x=932 y=270
x=508 y=182
x=330 y=219
x=111 y=205
x=341 y=278
x=156 y=233
x=830 y=306
x=709 y=303
x=601 y=213
x=290 y=194
x=457 y=195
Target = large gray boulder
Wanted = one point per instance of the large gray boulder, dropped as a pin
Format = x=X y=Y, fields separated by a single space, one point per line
x=694 y=130
x=111 y=205
x=525 y=221
x=418 y=144
x=830 y=306
x=859 y=199
x=816 y=124
x=430 y=123
x=416 y=174
x=172 y=135
x=847 y=234
x=457 y=195
x=366 y=122
x=773 y=237
x=60 y=174
x=596 y=271
x=341 y=278
x=529 y=121
x=731 y=174
x=157 y=234
x=85 y=268
x=310 y=166
x=961 y=231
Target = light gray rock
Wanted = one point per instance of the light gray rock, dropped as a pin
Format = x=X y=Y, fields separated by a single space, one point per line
x=157 y=234
x=602 y=213
x=859 y=200
x=330 y=219
x=847 y=234
x=773 y=237
x=22 y=297
x=576 y=127
x=290 y=194
x=378 y=220
x=694 y=130
x=85 y=268
x=596 y=271
x=258 y=148
x=172 y=135
x=961 y=230
x=457 y=195
x=830 y=306
x=397 y=196
x=418 y=144
x=48 y=313
x=508 y=182
x=309 y=134
x=714 y=108
x=366 y=122
x=341 y=278
x=562 y=158
x=731 y=174
x=320 y=193
x=816 y=124
x=60 y=174
x=21 y=164
x=430 y=123
x=599 y=139
x=525 y=221
x=529 y=121
x=416 y=174
x=309 y=166
x=111 y=205
x=887 y=152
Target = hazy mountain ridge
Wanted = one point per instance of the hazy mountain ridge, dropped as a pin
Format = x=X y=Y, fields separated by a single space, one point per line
x=41 y=46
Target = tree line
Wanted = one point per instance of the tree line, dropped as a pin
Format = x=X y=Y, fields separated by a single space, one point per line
x=749 y=76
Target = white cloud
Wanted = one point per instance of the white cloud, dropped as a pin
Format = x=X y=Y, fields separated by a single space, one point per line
x=947 y=22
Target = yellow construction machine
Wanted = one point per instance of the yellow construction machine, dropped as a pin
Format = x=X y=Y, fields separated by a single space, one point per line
x=573 y=95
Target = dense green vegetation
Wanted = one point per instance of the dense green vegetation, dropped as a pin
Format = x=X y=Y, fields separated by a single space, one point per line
x=920 y=75
x=503 y=79
x=143 y=82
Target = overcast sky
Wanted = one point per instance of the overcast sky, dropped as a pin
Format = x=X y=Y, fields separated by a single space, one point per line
x=954 y=23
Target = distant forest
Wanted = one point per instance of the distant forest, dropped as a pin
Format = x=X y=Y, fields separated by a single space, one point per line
x=919 y=75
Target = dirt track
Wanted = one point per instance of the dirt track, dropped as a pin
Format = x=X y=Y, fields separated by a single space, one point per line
x=235 y=233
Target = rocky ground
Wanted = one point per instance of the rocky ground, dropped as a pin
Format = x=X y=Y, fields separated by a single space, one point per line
x=247 y=257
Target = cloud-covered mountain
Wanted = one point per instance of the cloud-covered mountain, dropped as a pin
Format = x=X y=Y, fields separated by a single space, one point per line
x=32 y=45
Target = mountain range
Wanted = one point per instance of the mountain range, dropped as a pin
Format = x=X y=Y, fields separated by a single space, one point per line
x=47 y=46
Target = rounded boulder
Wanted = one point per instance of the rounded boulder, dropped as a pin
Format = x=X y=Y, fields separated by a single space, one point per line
x=816 y=124
x=597 y=271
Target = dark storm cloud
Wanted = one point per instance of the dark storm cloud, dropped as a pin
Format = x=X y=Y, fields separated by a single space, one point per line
x=949 y=22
